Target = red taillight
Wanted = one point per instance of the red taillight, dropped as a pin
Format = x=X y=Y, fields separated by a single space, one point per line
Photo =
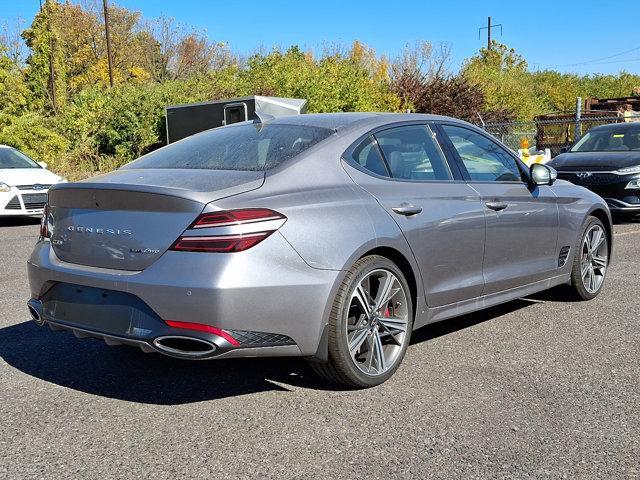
x=256 y=218
x=220 y=244
x=200 y=327
x=236 y=217
x=44 y=222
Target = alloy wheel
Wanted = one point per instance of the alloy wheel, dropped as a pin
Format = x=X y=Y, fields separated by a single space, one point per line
x=594 y=258
x=377 y=321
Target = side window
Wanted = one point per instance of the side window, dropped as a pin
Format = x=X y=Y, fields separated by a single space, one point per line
x=412 y=153
x=368 y=156
x=484 y=159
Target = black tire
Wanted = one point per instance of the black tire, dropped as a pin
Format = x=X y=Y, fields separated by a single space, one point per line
x=340 y=367
x=579 y=290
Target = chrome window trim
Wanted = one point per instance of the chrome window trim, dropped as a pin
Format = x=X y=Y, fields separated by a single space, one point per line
x=347 y=155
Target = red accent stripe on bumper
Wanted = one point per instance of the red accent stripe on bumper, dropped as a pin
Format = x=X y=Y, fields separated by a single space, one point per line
x=204 y=328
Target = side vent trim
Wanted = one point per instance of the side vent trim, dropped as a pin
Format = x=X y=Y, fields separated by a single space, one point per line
x=564 y=255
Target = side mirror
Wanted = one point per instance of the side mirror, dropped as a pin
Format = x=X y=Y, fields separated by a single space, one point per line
x=542 y=174
x=43 y=164
x=565 y=149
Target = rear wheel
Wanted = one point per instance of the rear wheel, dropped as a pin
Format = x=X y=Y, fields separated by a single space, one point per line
x=591 y=260
x=369 y=326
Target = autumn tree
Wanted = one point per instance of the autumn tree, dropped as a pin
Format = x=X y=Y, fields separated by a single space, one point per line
x=43 y=38
x=421 y=79
x=336 y=81
x=502 y=76
x=173 y=51
x=13 y=90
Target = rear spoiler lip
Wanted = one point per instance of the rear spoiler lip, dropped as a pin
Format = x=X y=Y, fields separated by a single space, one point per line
x=202 y=197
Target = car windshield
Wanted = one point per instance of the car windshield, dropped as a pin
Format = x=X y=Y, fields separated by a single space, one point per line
x=610 y=140
x=238 y=147
x=12 y=158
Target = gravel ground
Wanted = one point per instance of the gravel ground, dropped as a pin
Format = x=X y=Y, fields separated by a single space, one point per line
x=537 y=388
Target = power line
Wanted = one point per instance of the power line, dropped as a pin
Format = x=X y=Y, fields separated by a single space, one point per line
x=628 y=60
x=617 y=61
x=593 y=61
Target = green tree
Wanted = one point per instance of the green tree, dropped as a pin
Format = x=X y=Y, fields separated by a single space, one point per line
x=13 y=91
x=501 y=73
x=43 y=39
x=334 y=82
x=556 y=91
x=35 y=135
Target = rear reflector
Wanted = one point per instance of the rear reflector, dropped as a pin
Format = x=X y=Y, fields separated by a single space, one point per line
x=44 y=222
x=200 y=327
x=236 y=217
x=220 y=244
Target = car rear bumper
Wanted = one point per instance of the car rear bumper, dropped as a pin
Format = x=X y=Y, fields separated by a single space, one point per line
x=266 y=298
x=150 y=340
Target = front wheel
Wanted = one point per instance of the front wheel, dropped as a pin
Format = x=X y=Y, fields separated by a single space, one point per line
x=369 y=326
x=591 y=260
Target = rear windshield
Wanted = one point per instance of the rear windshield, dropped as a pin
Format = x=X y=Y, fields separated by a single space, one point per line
x=610 y=140
x=238 y=147
x=10 y=158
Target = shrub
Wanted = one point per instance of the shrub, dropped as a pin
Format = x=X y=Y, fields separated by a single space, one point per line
x=33 y=134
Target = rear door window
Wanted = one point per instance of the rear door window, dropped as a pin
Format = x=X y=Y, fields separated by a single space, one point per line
x=367 y=155
x=411 y=153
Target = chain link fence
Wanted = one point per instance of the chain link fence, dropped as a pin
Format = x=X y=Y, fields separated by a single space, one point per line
x=554 y=133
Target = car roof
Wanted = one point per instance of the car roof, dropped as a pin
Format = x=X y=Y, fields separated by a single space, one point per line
x=333 y=121
x=618 y=126
x=347 y=120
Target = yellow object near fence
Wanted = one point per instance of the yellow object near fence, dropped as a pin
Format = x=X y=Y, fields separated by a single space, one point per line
x=536 y=157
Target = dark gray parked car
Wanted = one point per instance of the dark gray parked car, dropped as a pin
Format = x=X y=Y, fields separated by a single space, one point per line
x=328 y=236
x=606 y=160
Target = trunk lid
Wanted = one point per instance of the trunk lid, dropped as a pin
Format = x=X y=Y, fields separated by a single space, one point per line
x=127 y=219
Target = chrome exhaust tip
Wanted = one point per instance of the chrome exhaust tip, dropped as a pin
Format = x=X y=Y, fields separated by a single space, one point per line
x=35 y=309
x=184 y=347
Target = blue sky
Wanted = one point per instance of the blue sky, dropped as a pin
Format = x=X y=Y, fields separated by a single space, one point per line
x=563 y=35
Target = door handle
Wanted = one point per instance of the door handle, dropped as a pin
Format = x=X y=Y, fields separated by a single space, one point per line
x=496 y=206
x=407 y=210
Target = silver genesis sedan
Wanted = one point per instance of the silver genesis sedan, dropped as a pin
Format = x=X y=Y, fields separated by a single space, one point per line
x=328 y=236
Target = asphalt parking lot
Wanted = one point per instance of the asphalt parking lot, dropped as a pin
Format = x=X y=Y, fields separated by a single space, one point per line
x=537 y=388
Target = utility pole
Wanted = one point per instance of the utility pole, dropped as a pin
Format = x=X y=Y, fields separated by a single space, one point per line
x=52 y=67
x=106 y=31
x=578 y=126
x=488 y=29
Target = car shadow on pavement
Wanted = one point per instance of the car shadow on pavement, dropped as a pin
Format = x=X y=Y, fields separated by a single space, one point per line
x=125 y=373
x=626 y=219
x=445 y=327
x=560 y=293
x=18 y=221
